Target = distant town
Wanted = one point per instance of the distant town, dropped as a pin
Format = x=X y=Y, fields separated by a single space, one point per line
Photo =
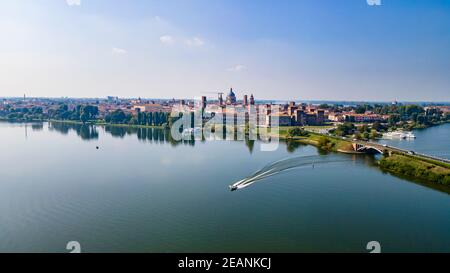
x=156 y=112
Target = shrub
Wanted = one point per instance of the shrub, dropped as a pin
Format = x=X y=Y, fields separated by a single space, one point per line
x=296 y=132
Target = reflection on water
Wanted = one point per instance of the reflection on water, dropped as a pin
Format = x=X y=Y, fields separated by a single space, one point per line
x=85 y=132
x=37 y=126
x=139 y=194
x=162 y=135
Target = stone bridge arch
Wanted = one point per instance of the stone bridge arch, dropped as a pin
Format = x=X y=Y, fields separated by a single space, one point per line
x=357 y=147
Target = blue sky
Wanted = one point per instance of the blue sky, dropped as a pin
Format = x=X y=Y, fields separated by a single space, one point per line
x=299 y=49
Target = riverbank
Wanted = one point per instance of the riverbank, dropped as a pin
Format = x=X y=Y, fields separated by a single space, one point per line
x=101 y=123
x=423 y=126
x=98 y=123
x=323 y=142
x=415 y=167
x=404 y=165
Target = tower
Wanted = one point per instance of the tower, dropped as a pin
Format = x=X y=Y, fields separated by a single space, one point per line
x=245 y=100
x=252 y=100
x=203 y=102
x=220 y=99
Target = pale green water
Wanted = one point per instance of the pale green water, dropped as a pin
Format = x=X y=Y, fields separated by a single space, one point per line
x=136 y=195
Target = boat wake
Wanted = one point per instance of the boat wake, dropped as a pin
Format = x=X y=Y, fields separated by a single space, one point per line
x=280 y=166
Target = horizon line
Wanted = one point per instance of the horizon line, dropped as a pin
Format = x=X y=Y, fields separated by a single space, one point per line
x=273 y=100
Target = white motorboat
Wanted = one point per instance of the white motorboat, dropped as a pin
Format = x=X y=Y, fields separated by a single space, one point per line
x=399 y=135
x=410 y=135
x=394 y=135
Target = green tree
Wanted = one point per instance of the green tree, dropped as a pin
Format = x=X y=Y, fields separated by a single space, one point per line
x=360 y=109
x=139 y=118
x=393 y=119
x=88 y=111
x=144 y=119
x=345 y=129
x=374 y=134
x=84 y=117
x=156 y=119
x=325 y=144
x=150 y=118
x=117 y=116
x=297 y=132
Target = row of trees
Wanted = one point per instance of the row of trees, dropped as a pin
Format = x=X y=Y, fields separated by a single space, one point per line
x=406 y=113
x=85 y=113
x=141 y=118
x=360 y=132
x=151 y=118
x=82 y=113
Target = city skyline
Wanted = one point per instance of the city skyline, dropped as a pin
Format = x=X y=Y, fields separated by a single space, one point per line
x=344 y=51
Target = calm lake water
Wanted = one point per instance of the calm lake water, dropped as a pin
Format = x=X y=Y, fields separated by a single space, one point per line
x=433 y=141
x=141 y=192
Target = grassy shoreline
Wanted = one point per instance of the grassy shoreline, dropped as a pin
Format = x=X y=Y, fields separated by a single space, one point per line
x=407 y=166
x=403 y=165
x=99 y=123
x=107 y=124
x=324 y=142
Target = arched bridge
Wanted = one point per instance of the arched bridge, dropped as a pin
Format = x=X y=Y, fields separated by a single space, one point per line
x=368 y=148
x=371 y=147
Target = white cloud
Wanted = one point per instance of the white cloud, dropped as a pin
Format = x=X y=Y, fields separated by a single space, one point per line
x=119 y=51
x=167 y=40
x=73 y=2
x=195 y=42
x=237 y=68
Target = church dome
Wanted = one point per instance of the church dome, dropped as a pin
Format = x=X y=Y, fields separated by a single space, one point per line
x=231 y=98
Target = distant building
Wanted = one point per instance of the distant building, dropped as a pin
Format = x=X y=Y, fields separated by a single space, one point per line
x=353 y=117
x=283 y=119
x=112 y=99
x=303 y=117
x=231 y=98
x=291 y=108
x=245 y=100
x=203 y=102
x=336 y=117
x=252 y=100
x=151 y=107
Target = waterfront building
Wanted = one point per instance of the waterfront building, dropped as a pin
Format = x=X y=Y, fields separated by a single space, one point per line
x=302 y=117
x=283 y=119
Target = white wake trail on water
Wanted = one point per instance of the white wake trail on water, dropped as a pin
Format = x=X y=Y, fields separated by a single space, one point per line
x=283 y=165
